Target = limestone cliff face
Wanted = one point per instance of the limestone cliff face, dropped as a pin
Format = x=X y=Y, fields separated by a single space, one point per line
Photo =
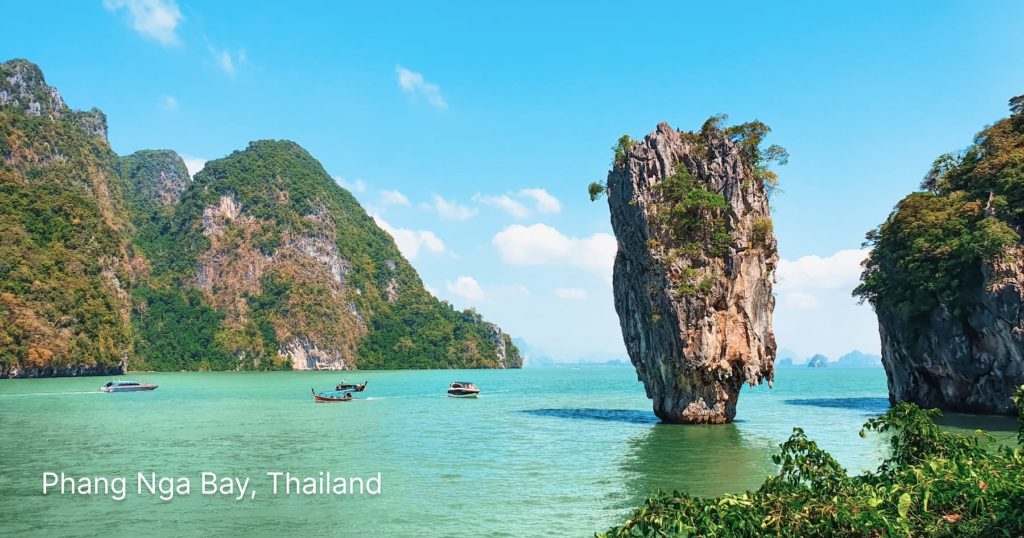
x=693 y=287
x=22 y=86
x=968 y=363
x=505 y=351
x=945 y=276
x=65 y=258
x=320 y=331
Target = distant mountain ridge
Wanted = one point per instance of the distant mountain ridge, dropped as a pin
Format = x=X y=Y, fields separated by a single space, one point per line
x=858 y=359
x=261 y=262
x=853 y=359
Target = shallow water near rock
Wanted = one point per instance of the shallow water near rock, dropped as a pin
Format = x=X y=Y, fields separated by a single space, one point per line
x=564 y=451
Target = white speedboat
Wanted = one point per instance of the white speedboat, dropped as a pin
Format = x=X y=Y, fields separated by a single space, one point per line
x=463 y=389
x=126 y=386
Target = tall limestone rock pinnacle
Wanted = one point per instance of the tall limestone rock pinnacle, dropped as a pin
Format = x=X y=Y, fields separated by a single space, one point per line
x=694 y=270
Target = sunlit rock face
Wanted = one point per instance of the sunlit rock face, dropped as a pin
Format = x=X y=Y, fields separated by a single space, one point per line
x=697 y=324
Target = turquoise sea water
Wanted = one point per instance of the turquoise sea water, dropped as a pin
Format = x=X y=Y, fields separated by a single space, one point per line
x=544 y=452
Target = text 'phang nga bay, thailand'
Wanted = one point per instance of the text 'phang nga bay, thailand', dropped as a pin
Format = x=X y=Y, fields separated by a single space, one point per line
x=533 y=269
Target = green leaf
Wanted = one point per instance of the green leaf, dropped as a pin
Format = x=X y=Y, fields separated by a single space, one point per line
x=904 y=505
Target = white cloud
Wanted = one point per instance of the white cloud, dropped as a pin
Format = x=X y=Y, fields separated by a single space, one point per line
x=169 y=103
x=194 y=164
x=815 y=312
x=541 y=244
x=572 y=294
x=393 y=198
x=839 y=270
x=452 y=210
x=155 y=19
x=411 y=242
x=414 y=84
x=543 y=201
x=225 y=62
x=505 y=203
x=355 y=186
x=228 y=62
x=466 y=287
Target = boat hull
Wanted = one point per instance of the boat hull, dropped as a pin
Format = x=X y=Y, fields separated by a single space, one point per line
x=321 y=399
x=463 y=394
x=135 y=388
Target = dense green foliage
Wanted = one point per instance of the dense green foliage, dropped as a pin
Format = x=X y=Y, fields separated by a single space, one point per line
x=692 y=215
x=749 y=136
x=418 y=333
x=621 y=149
x=934 y=483
x=933 y=246
x=176 y=330
x=62 y=242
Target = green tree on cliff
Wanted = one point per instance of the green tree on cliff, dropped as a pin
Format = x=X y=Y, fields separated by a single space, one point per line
x=934 y=245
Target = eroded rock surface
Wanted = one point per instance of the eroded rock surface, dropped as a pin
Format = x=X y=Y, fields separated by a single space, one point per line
x=230 y=272
x=697 y=325
x=968 y=363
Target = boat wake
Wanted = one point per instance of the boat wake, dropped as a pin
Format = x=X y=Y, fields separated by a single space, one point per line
x=368 y=398
x=51 y=393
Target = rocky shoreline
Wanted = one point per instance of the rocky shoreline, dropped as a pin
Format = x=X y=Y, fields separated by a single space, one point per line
x=14 y=371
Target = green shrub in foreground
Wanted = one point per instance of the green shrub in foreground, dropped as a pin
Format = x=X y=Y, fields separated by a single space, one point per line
x=934 y=483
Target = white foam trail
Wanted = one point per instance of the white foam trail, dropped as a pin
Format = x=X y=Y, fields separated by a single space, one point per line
x=52 y=393
x=399 y=397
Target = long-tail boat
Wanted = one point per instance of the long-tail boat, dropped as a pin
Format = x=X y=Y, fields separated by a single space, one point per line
x=345 y=385
x=331 y=396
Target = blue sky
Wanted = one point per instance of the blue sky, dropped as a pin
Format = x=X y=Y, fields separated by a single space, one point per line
x=471 y=129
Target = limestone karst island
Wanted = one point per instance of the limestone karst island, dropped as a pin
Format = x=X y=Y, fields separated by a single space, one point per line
x=436 y=269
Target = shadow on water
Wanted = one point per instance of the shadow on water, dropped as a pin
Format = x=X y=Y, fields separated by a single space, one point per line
x=991 y=423
x=868 y=405
x=701 y=460
x=629 y=416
